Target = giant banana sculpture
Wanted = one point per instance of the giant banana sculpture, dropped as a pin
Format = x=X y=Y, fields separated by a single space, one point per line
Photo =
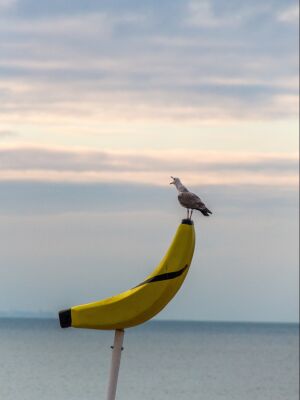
x=142 y=302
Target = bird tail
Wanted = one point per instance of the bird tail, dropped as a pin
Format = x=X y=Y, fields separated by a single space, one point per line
x=205 y=211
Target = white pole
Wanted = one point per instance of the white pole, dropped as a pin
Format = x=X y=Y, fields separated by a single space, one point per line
x=115 y=364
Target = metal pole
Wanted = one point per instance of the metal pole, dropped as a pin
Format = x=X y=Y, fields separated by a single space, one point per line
x=115 y=364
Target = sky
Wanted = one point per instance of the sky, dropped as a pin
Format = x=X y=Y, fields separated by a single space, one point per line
x=101 y=102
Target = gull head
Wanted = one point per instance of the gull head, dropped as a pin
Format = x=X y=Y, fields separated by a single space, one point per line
x=175 y=181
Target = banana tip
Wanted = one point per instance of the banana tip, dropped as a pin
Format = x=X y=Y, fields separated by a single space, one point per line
x=65 y=318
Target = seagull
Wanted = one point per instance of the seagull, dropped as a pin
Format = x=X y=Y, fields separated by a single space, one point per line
x=189 y=200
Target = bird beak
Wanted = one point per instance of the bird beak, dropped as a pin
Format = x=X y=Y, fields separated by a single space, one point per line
x=172 y=183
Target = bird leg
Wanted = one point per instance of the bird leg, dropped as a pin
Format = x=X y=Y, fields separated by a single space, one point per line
x=187 y=210
x=191 y=214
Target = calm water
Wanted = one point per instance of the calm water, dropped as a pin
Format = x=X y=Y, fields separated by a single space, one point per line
x=161 y=360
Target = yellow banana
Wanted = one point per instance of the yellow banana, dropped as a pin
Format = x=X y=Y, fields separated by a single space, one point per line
x=142 y=302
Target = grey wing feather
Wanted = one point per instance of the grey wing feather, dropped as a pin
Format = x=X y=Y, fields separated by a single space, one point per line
x=192 y=201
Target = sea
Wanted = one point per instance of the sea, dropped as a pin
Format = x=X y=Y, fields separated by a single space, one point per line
x=161 y=361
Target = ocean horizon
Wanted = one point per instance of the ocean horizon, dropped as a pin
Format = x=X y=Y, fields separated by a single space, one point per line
x=161 y=360
x=49 y=315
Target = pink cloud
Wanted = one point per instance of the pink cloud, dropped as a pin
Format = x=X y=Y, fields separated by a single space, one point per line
x=148 y=167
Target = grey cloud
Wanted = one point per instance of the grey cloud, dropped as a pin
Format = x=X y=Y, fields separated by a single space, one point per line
x=97 y=161
x=289 y=14
x=7 y=4
x=7 y=133
x=29 y=198
x=104 y=50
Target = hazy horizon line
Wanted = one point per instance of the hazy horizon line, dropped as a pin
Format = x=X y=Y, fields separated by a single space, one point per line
x=52 y=316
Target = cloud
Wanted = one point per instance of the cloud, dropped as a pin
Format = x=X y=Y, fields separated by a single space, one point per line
x=7 y=133
x=290 y=14
x=151 y=167
x=43 y=198
x=84 y=26
x=74 y=72
x=212 y=14
x=141 y=63
x=201 y=15
x=6 y=4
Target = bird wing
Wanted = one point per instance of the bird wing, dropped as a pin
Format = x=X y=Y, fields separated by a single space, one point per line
x=191 y=200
